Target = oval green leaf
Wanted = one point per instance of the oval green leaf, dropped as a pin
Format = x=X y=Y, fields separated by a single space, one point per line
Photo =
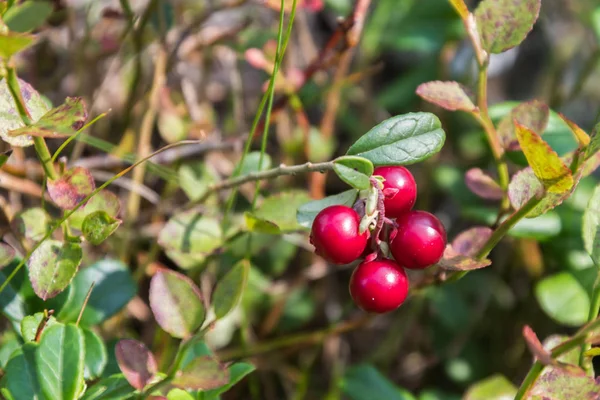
x=33 y=223
x=563 y=299
x=52 y=266
x=401 y=140
x=27 y=16
x=355 y=171
x=280 y=209
x=31 y=323
x=20 y=376
x=98 y=226
x=60 y=362
x=176 y=303
x=102 y=201
x=230 y=288
x=307 y=212
x=96 y=356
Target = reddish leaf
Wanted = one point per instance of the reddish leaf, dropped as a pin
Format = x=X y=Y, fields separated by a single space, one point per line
x=7 y=254
x=61 y=121
x=71 y=188
x=536 y=347
x=449 y=95
x=482 y=184
x=202 y=373
x=579 y=133
x=469 y=242
x=454 y=261
x=136 y=362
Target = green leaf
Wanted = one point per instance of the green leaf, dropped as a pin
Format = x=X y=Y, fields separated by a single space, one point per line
x=563 y=384
x=114 y=288
x=250 y=164
x=230 y=288
x=496 y=387
x=401 y=140
x=176 y=303
x=60 y=362
x=96 y=356
x=546 y=164
x=136 y=362
x=591 y=227
x=71 y=188
x=61 y=121
x=448 y=95
x=195 y=179
x=171 y=126
x=364 y=382
x=179 y=394
x=33 y=223
x=563 y=299
x=539 y=228
x=9 y=117
x=30 y=324
x=11 y=43
x=7 y=254
x=27 y=16
x=115 y=387
x=202 y=373
x=9 y=342
x=307 y=212
x=98 y=226
x=4 y=157
x=259 y=225
x=21 y=376
x=14 y=298
x=236 y=373
x=102 y=201
x=52 y=266
x=355 y=171
x=280 y=209
x=533 y=114
x=594 y=144
x=503 y=24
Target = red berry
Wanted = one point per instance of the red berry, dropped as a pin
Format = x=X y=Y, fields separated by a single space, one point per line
x=420 y=240
x=379 y=286
x=400 y=179
x=335 y=235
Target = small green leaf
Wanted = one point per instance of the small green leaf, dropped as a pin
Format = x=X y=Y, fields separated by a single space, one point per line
x=496 y=387
x=7 y=254
x=4 y=157
x=533 y=114
x=102 y=201
x=195 y=179
x=503 y=24
x=202 y=373
x=71 y=188
x=136 y=362
x=591 y=227
x=115 y=387
x=563 y=384
x=448 y=95
x=259 y=225
x=30 y=324
x=401 y=140
x=21 y=377
x=179 y=394
x=98 y=226
x=33 y=223
x=114 y=287
x=251 y=162
x=307 y=212
x=61 y=121
x=280 y=209
x=52 y=266
x=27 y=16
x=60 y=362
x=364 y=382
x=482 y=184
x=563 y=299
x=355 y=171
x=171 y=126
x=176 y=303
x=236 y=373
x=11 y=43
x=230 y=288
x=546 y=164
x=96 y=356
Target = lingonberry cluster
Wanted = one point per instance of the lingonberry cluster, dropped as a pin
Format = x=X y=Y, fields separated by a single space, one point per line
x=415 y=239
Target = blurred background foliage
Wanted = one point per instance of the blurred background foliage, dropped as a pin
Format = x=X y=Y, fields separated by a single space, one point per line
x=445 y=338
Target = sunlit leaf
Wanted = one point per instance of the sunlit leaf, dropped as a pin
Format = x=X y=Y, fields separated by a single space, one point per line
x=202 y=373
x=98 y=226
x=563 y=299
x=307 y=212
x=449 y=95
x=71 y=188
x=52 y=266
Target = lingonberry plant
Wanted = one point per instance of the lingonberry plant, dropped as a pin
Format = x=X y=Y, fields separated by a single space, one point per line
x=180 y=280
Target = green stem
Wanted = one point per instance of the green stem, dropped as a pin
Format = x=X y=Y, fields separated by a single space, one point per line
x=39 y=143
x=592 y=315
x=67 y=215
x=536 y=369
x=153 y=388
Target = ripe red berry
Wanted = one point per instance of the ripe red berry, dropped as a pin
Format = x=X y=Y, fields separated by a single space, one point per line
x=335 y=235
x=420 y=240
x=379 y=286
x=398 y=179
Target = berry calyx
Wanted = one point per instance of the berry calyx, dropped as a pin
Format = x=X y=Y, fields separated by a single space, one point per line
x=335 y=235
x=379 y=286
x=420 y=240
x=400 y=189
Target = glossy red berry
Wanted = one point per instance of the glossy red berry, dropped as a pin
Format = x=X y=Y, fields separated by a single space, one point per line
x=335 y=235
x=420 y=240
x=379 y=286
x=398 y=179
